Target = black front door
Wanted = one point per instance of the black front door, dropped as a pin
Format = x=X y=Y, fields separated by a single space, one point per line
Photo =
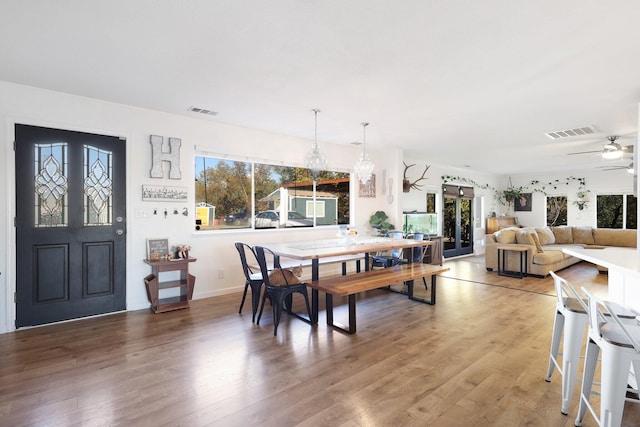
x=70 y=225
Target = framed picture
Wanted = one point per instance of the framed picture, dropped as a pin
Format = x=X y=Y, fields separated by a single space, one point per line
x=157 y=249
x=522 y=204
x=163 y=193
x=368 y=189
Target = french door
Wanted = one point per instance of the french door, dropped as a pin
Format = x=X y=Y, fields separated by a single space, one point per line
x=70 y=225
x=457 y=223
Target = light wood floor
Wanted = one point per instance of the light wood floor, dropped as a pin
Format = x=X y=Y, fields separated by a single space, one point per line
x=477 y=358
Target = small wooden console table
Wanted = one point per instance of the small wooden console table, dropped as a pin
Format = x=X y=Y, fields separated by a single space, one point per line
x=154 y=286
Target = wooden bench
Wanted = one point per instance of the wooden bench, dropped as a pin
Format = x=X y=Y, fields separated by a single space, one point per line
x=351 y=284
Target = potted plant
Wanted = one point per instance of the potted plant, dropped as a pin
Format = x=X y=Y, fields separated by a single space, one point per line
x=379 y=221
x=582 y=201
x=510 y=194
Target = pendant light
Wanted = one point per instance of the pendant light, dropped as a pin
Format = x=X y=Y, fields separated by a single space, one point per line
x=364 y=165
x=315 y=160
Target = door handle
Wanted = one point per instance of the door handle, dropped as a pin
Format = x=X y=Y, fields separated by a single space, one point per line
x=119 y=231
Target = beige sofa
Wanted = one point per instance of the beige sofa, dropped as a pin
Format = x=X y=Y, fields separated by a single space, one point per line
x=544 y=245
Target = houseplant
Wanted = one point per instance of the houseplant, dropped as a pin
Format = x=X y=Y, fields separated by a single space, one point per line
x=379 y=221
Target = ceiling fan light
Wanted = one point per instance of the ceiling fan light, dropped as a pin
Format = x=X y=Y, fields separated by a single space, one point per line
x=609 y=154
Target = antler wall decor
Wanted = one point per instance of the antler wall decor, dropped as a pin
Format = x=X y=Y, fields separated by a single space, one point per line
x=408 y=185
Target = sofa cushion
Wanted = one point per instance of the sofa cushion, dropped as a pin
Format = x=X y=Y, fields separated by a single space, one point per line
x=528 y=236
x=536 y=241
x=563 y=234
x=505 y=236
x=545 y=235
x=548 y=257
x=582 y=235
x=614 y=237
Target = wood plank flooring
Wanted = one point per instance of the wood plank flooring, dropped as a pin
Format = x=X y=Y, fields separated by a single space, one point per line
x=477 y=358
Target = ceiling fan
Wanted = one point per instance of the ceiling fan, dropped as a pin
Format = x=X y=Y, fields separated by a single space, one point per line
x=629 y=168
x=612 y=150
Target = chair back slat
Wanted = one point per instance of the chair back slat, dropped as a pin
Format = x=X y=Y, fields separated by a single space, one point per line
x=566 y=294
x=243 y=249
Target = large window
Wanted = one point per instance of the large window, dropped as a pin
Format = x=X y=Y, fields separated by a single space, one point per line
x=240 y=195
x=556 y=210
x=617 y=211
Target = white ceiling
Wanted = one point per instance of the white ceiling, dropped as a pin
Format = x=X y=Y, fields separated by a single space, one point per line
x=461 y=83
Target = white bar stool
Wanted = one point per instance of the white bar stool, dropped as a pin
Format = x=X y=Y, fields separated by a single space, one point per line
x=570 y=323
x=620 y=346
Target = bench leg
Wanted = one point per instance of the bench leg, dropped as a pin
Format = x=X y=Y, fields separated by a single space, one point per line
x=430 y=301
x=329 y=308
x=351 y=327
x=314 y=306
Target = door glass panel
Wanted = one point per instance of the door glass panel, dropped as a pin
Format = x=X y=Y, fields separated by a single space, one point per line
x=465 y=222
x=51 y=185
x=98 y=186
x=449 y=223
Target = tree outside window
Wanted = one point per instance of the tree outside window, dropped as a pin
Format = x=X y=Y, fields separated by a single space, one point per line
x=282 y=196
x=556 y=210
x=616 y=211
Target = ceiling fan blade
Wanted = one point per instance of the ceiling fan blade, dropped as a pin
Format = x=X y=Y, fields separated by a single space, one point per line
x=584 y=152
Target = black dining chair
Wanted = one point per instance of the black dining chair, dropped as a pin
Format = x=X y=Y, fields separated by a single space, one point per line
x=280 y=285
x=253 y=279
x=391 y=258
x=395 y=257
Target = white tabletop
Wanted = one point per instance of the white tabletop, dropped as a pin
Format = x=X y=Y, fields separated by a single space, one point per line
x=610 y=257
x=344 y=246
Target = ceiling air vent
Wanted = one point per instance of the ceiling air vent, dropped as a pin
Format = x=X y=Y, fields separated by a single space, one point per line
x=203 y=111
x=568 y=133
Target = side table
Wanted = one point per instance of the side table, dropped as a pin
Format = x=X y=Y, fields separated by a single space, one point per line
x=502 y=264
x=155 y=286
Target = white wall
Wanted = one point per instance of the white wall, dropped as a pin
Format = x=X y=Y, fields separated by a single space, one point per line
x=217 y=270
x=597 y=181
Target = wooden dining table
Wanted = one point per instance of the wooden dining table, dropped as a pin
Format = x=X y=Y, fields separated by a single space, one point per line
x=316 y=250
x=340 y=249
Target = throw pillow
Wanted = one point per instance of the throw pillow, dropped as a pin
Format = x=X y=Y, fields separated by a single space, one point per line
x=583 y=235
x=522 y=237
x=506 y=237
x=545 y=236
x=563 y=234
x=536 y=241
x=529 y=237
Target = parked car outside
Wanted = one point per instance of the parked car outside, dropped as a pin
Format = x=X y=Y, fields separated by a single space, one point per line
x=271 y=219
x=236 y=218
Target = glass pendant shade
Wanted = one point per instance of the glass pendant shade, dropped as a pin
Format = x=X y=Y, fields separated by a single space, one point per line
x=316 y=161
x=364 y=166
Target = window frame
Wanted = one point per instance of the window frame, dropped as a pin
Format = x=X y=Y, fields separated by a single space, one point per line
x=251 y=164
x=624 y=209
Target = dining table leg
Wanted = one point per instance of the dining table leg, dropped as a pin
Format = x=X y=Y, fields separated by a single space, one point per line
x=315 y=274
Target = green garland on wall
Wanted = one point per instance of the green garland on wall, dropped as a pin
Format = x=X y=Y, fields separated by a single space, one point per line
x=535 y=186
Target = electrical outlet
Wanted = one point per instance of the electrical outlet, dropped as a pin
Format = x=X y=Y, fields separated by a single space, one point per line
x=220 y=274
